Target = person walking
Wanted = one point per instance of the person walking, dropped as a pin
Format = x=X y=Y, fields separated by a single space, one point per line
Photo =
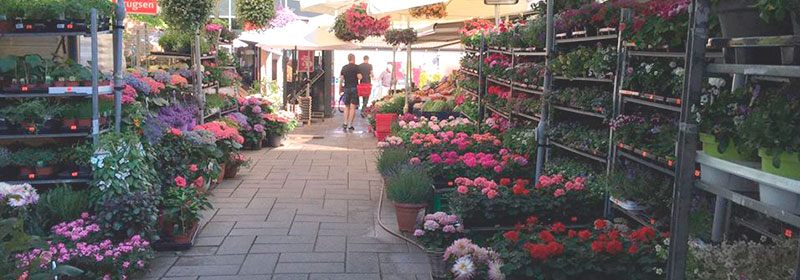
x=349 y=77
x=385 y=82
x=366 y=78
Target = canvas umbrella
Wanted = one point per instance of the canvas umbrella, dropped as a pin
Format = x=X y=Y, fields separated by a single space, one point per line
x=297 y=35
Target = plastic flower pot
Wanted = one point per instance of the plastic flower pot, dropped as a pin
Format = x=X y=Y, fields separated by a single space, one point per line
x=69 y=124
x=26 y=171
x=710 y=147
x=274 y=140
x=407 y=215
x=223 y=167
x=438 y=265
x=85 y=123
x=790 y=168
x=716 y=177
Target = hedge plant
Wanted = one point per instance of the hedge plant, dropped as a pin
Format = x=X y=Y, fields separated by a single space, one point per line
x=186 y=15
x=256 y=12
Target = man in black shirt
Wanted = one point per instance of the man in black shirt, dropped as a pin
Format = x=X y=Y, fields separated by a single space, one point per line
x=349 y=78
x=366 y=74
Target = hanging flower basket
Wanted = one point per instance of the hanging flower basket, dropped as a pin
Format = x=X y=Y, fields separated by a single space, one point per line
x=437 y=10
x=355 y=25
x=396 y=37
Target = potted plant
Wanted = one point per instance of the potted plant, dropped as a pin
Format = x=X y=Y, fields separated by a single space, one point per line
x=33 y=162
x=390 y=159
x=772 y=128
x=235 y=161
x=5 y=161
x=438 y=231
x=74 y=160
x=36 y=115
x=277 y=125
x=181 y=211
x=356 y=25
x=396 y=37
x=410 y=188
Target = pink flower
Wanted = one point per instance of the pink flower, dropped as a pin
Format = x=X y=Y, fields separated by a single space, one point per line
x=180 y=181
x=491 y=194
x=415 y=161
x=462 y=189
x=175 y=131
x=419 y=232
x=558 y=192
x=193 y=168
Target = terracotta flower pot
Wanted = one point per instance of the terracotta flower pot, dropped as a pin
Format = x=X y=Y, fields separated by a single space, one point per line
x=407 y=215
x=69 y=124
x=231 y=170
x=25 y=171
x=83 y=123
x=222 y=169
x=186 y=236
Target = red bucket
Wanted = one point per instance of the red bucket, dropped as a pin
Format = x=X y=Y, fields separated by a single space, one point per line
x=381 y=135
x=383 y=122
x=364 y=90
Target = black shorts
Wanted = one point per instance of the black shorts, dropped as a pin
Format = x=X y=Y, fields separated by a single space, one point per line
x=351 y=96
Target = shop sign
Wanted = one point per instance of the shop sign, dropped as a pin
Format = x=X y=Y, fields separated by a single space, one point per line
x=142 y=7
x=305 y=61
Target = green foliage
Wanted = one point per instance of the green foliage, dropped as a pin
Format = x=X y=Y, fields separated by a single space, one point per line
x=62 y=203
x=183 y=206
x=722 y=113
x=595 y=62
x=5 y=157
x=391 y=159
x=33 y=111
x=257 y=12
x=410 y=184
x=32 y=157
x=76 y=155
x=774 y=124
x=181 y=42
x=13 y=239
x=186 y=15
x=125 y=185
x=396 y=37
x=581 y=137
x=743 y=259
x=644 y=186
x=152 y=20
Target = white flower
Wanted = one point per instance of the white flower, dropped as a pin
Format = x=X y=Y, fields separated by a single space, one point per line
x=648 y=68
x=716 y=82
x=672 y=64
x=678 y=71
x=463 y=268
x=494 y=270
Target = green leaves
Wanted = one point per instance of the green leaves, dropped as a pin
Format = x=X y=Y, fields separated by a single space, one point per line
x=186 y=15
x=256 y=12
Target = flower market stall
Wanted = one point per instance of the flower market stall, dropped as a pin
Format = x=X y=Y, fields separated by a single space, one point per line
x=602 y=88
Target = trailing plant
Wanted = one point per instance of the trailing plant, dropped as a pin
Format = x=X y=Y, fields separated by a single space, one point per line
x=356 y=25
x=592 y=99
x=591 y=62
x=396 y=37
x=632 y=181
x=656 y=76
x=654 y=135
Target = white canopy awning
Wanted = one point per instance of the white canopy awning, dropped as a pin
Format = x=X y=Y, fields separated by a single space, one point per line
x=456 y=9
x=325 y=6
x=298 y=34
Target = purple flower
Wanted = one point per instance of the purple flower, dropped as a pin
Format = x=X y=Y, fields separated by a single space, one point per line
x=419 y=232
x=258 y=128
x=257 y=109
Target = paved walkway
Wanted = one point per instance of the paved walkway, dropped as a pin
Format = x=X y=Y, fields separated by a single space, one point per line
x=306 y=210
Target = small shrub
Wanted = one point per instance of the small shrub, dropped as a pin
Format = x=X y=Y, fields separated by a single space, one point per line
x=390 y=159
x=62 y=203
x=410 y=184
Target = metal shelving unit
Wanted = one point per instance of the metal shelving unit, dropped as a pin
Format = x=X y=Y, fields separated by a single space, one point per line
x=96 y=130
x=579 y=152
x=578 y=111
x=688 y=155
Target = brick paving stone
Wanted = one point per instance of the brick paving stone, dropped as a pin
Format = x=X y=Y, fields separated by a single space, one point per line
x=236 y=245
x=205 y=270
x=362 y=262
x=290 y=277
x=282 y=248
x=330 y=244
x=311 y=257
x=210 y=260
x=348 y=276
x=259 y=264
x=238 y=277
x=309 y=267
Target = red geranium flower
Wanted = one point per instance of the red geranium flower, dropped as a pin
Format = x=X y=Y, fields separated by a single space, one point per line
x=558 y=227
x=511 y=235
x=599 y=224
x=546 y=236
x=584 y=234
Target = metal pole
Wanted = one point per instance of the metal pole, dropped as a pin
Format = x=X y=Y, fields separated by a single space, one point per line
x=481 y=81
x=616 y=107
x=496 y=14
x=198 y=74
x=548 y=81
x=118 y=27
x=687 y=139
x=393 y=83
x=409 y=78
x=95 y=113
